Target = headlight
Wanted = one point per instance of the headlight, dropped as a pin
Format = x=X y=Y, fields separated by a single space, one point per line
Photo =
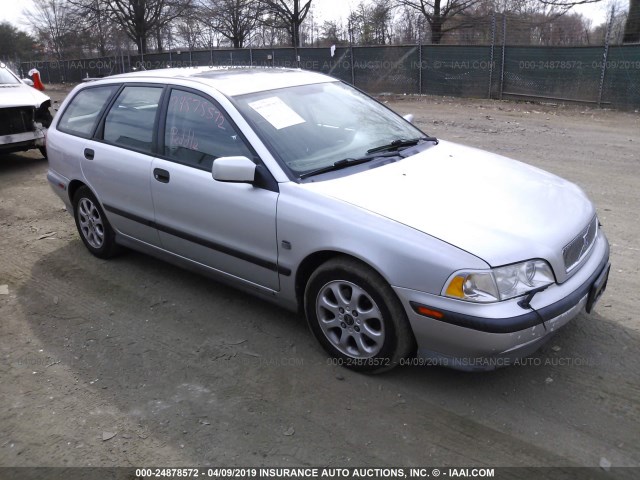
x=499 y=283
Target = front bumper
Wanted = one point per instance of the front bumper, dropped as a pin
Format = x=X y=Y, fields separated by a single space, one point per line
x=487 y=336
x=23 y=141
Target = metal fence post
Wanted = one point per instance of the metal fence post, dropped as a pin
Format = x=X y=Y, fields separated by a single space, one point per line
x=420 y=68
x=353 y=70
x=251 y=57
x=504 y=46
x=493 y=44
x=605 y=55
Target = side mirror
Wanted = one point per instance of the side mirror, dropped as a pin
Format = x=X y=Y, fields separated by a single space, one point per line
x=409 y=117
x=28 y=81
x=233 y=169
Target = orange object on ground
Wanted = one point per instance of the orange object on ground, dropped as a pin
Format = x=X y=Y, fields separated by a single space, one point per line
x=37 y=83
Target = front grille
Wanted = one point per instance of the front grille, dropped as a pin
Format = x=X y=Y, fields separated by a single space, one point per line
x=576 y=250
x=16 y=120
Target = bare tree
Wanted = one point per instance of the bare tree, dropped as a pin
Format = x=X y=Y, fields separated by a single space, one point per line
x=142 y=18
x=53 y=24
x=189 y=28
x=93 y=20
x=409 y=26
x=438 y=14
x=235 y=20
x=632 y=24
x=287 y=14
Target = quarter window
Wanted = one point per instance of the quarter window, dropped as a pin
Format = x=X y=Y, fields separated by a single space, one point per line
x=82 y=114
x=132 y=117
x=197 y=132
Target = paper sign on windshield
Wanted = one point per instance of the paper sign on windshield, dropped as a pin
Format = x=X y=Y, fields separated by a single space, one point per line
x=276 y=112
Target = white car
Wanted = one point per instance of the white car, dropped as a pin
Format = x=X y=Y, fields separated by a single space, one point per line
x=24 y=114
x=303 y=190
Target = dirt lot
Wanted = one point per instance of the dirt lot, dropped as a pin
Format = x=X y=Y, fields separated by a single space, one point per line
x=134 y=362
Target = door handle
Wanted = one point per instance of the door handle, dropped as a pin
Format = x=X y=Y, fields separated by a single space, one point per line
x=161 y=175
x=89 y=153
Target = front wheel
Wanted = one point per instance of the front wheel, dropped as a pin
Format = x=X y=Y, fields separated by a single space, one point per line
x=356 y=316
x=94 y=228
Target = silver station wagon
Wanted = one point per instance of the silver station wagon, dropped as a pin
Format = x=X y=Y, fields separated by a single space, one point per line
x=399 y=248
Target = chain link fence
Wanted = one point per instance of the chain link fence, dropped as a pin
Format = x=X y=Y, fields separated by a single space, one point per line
x=602 y=75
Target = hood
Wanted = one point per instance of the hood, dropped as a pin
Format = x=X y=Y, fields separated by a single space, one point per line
x=495 y=208
x=20 y=95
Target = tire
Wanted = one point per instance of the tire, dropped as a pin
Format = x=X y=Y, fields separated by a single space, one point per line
x=94 y=228
x=357 y=317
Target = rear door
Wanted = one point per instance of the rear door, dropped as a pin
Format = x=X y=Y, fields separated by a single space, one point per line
x=118 y=162
x=230 y=227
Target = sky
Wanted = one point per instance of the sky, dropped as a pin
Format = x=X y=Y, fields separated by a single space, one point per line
x=11 y=10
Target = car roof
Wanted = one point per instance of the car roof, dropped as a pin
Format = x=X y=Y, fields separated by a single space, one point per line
x=233 y=81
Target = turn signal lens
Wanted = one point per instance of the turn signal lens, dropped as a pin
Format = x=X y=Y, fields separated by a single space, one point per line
x=455 y=287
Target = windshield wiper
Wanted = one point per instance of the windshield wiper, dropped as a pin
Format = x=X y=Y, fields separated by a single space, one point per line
x=389 y=150
x=401 y=143
x=340 y=164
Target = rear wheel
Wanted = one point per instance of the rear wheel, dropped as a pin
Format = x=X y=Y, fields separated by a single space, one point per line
x=356 y=316
x=94 y=228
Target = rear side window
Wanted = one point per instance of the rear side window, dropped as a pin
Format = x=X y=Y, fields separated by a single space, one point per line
x=132 y=117
x=81 y=116
x=197 y=132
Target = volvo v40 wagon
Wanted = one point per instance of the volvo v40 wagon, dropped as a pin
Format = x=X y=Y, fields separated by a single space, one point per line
x=301 y=189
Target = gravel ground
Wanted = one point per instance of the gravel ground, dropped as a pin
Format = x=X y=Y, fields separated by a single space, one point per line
x=133 y=362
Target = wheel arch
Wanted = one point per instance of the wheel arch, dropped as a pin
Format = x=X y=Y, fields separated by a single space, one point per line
x=311 y=263
x=73 y=187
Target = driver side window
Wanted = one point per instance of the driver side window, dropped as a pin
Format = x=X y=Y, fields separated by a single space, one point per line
x=197 y=132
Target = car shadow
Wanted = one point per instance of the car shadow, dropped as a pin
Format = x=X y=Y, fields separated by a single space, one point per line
x=10 y=162
x=175 y=352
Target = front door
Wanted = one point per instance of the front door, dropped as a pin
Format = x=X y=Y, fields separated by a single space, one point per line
x=230 y=227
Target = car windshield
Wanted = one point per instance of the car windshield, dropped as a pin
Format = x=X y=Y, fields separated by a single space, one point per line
x=311 y=127
x=6 y=77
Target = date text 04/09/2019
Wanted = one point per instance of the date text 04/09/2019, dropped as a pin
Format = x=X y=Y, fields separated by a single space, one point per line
x=312 y=472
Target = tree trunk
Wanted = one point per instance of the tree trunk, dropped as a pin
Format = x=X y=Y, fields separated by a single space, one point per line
x=141 y=42
x=159 y=41
x=436 y=23
x=436 y=31
x=295 y=34
x=632 y=27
